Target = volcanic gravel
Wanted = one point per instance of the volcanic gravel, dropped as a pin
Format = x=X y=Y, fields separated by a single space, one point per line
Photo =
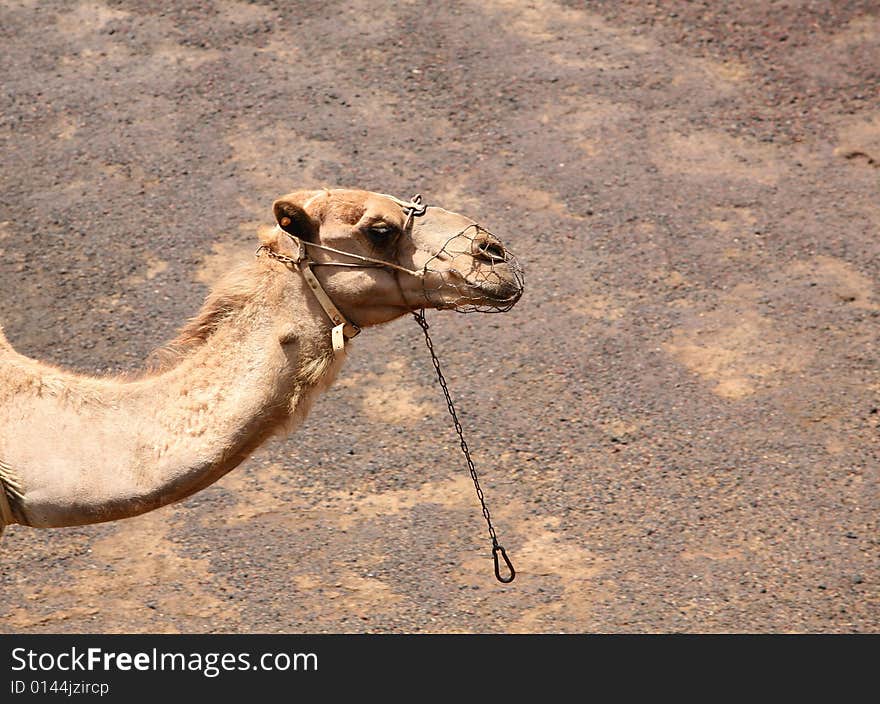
x=676 y=427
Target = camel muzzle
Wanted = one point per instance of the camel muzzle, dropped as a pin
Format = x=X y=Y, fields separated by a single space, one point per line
x=493 y=281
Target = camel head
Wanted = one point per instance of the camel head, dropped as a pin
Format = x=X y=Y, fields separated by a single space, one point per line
x=437 y=259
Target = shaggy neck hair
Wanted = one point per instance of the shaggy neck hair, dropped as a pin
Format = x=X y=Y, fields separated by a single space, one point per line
x=239 y=292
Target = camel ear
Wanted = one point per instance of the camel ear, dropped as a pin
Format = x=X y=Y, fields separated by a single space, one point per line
x=292 y=217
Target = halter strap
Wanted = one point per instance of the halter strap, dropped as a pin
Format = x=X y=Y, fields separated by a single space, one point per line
x=343 y=329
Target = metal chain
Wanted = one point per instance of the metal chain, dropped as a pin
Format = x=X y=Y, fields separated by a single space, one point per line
x=496 y=548
x=283 y=258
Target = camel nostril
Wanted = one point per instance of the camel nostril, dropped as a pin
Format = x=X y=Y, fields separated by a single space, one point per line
x=490 y=252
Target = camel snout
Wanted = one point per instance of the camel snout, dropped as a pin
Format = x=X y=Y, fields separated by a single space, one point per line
x=499 y=275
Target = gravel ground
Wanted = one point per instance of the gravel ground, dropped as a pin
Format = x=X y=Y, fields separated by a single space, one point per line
x=677 y=427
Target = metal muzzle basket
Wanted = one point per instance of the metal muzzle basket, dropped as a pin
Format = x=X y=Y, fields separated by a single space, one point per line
x=485 y=277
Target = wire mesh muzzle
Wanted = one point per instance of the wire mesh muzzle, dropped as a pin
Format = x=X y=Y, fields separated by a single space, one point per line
x=473 y=273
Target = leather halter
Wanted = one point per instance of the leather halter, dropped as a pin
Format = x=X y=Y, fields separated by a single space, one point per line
x=343 y=329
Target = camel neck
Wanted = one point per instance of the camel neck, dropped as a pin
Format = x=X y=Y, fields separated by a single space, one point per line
x=96 y=450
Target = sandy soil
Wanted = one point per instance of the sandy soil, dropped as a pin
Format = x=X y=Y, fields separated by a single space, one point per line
x=677 y=426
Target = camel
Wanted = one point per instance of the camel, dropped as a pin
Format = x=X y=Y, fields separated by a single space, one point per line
x=270 y=336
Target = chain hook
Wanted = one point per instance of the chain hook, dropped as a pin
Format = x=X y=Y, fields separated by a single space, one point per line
x=496 y=550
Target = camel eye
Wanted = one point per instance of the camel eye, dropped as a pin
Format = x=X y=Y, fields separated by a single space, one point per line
x=380 y=231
